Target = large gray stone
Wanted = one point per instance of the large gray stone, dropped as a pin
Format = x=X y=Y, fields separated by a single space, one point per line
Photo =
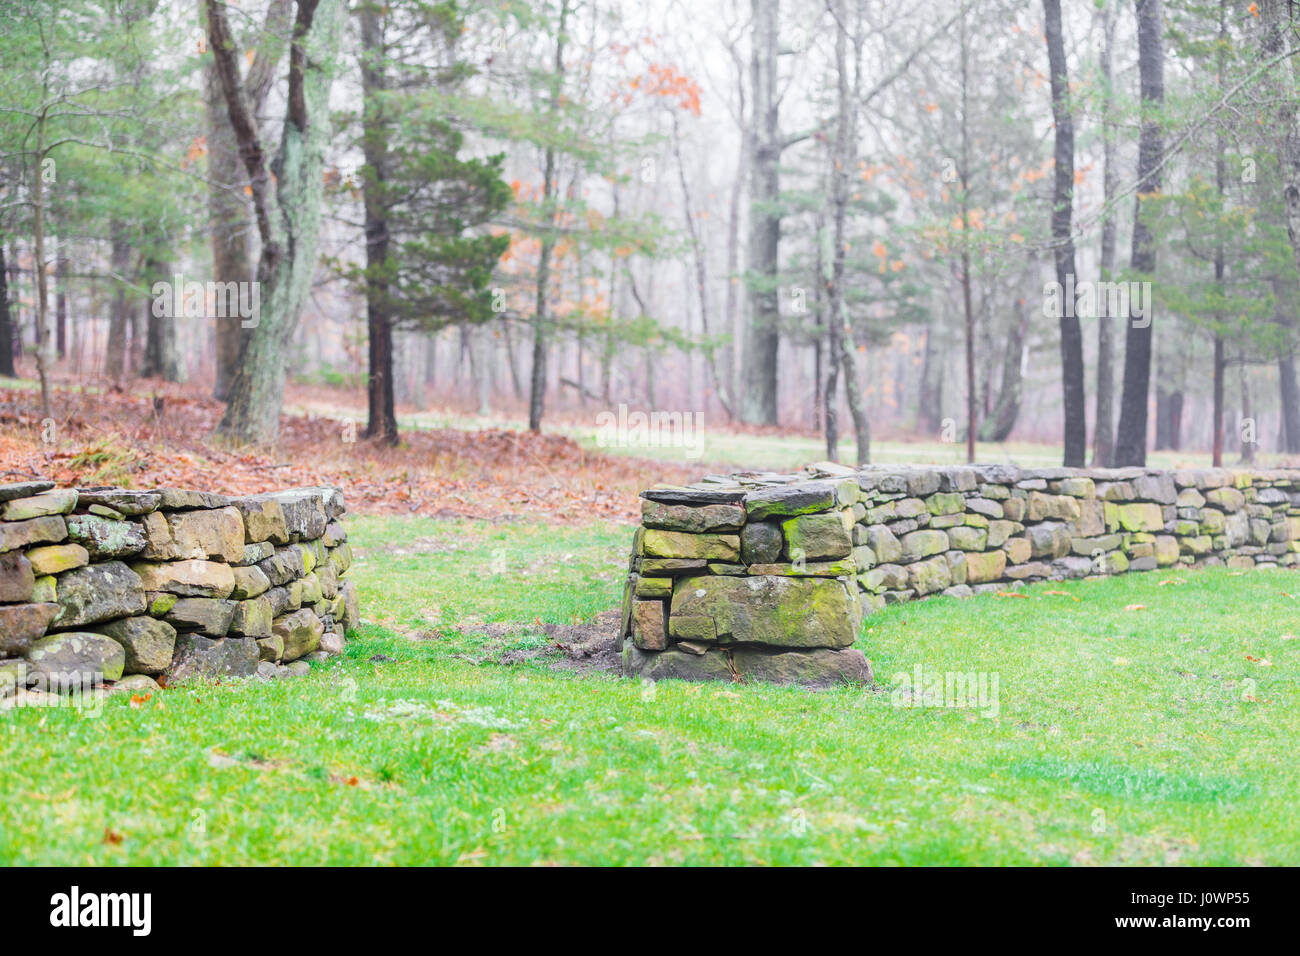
x=819 y=668
x=120 y=500
x=197 y=656
x=21 y=624
x=210 y=616
x=50 y=529
x=105 y=538
x=147 y=642
x=56 y=501
x=301 y=632
x=788 y=500
x=17 y=579
x=766 y=609
x=23 y=489
x=263 y=519
x=304 y=513
x=818 y=537
x=697 y=520
x=74 y=660
x=193 y=578
x=713 y=665
x=98 y=592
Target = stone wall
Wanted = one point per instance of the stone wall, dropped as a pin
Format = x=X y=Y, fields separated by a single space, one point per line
x=97 y=584
x=766 y=576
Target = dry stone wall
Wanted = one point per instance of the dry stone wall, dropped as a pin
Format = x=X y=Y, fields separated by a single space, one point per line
x=97 y=584
x=767 y=576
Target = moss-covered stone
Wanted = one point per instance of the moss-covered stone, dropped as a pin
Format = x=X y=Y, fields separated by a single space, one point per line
x=946 y=503
x=56 y=501
x=57 y=558
x=676 y=544
x=927 y=577
x=922 y=544
x=75 y=659
x=105 y=537
x=986 y=566
x=765 y=609
x=706 y=518
x=147 y=643
x=968 y=539
x=818 y=537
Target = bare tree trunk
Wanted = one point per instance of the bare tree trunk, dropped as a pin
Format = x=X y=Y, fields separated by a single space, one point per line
x=537 y=384
x=6 y=321
x=758 y=399
x=965 y=249
x=843 y=157
x=161 y=358
x=998 y=424
x=1076 y=426
x=1103 y=429
x=120 y=260
x=43 y=361
x=381 y=420
x=231 y=223
x=1248 y=448
x=287 y=208
x=1131 y=437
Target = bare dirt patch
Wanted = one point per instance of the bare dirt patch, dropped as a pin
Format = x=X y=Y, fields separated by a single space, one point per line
x=591 y=648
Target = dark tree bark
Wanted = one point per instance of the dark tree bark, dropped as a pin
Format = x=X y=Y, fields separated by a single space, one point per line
x=61 y=306
x=161 y=359
x=120 y=258
x=382 y=415
x=997 y=426
x=1131 y=437
x=929 y=399
x=6 y=321
x=1072 y=371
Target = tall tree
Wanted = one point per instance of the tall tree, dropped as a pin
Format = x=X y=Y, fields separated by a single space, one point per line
x=762 y=338
x=537 y=382
x=425 y=267
x=1277 y=25
x=843 y=157
x=1076 y=427
x=286 y=206
x=230 y=223
x=1103 y=427
x=1131 y=437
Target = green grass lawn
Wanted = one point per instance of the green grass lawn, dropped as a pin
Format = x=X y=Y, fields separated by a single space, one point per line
x=1153 y=735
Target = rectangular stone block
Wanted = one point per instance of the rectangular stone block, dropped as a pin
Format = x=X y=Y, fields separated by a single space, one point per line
x=765 y=609
x=677 y=544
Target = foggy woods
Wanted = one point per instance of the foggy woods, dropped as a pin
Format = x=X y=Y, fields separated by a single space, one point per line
x=1068 y=225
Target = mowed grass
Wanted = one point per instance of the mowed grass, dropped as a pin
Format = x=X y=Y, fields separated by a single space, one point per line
x=1160 y=734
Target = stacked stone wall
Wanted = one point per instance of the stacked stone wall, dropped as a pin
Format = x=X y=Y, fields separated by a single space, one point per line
x=767 y=577
x=98 y=584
